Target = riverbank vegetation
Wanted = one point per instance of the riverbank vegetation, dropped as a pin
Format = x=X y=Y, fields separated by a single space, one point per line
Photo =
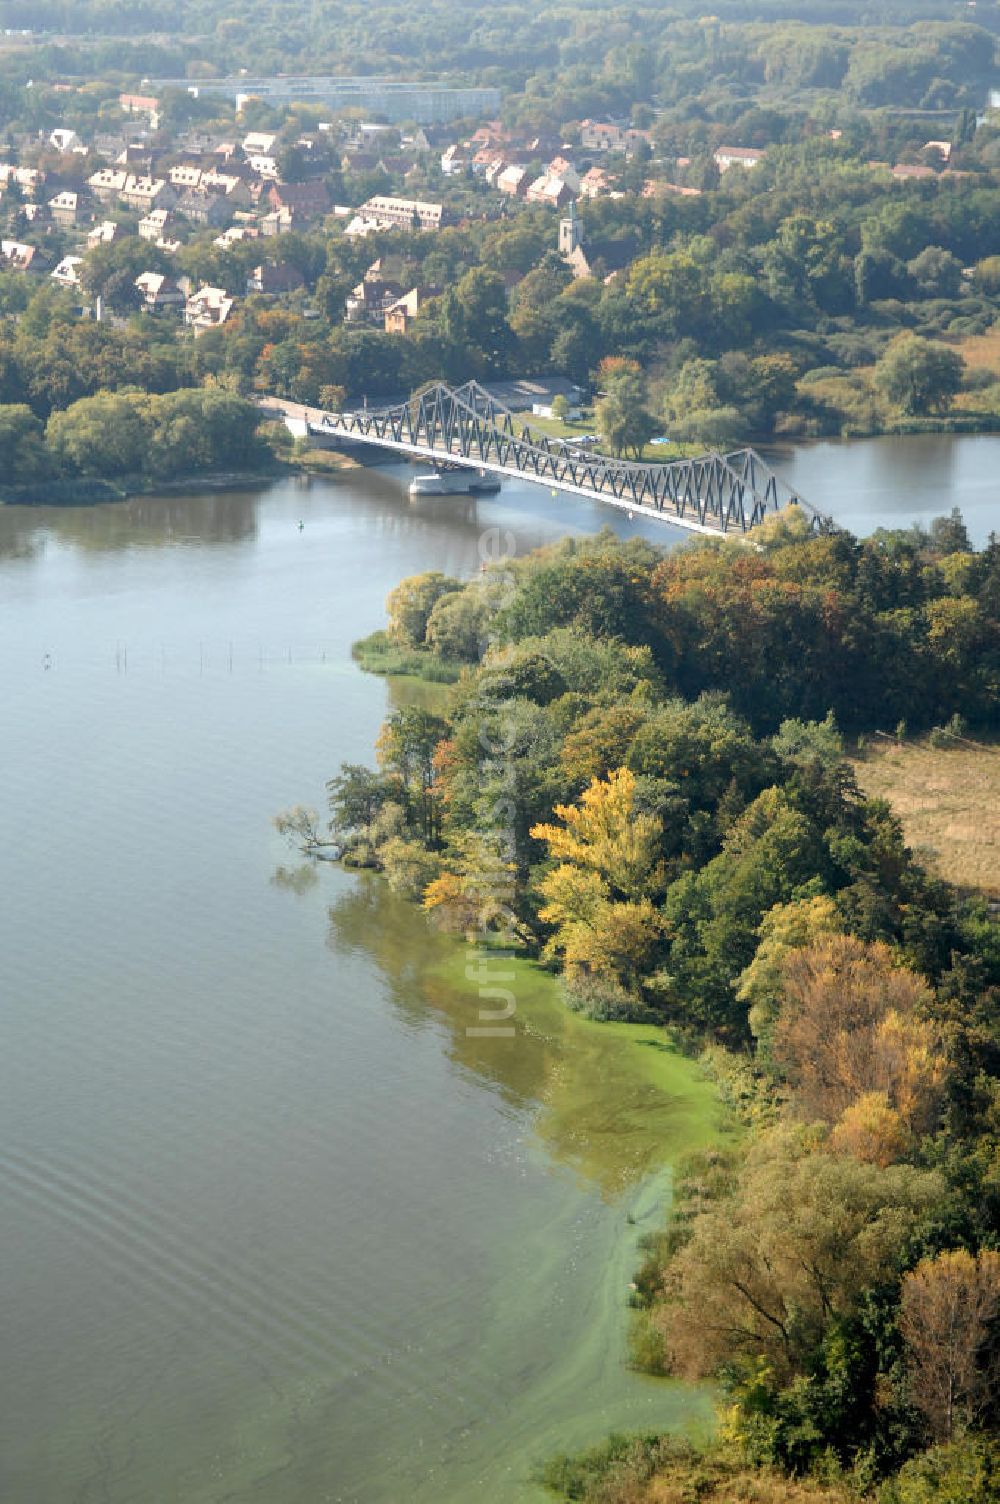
x=641 y=777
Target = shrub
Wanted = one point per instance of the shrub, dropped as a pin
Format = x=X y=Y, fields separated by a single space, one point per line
x=605 y=1000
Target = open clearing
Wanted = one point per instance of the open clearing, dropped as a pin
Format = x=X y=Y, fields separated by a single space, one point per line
x=949 y=802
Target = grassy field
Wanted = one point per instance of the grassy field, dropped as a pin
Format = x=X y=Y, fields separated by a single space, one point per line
x=982 y=351
x=949 y=802
x=557 y=428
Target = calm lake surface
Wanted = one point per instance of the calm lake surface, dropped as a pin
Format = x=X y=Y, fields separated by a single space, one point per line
x=897 y=480
x=275 y=1227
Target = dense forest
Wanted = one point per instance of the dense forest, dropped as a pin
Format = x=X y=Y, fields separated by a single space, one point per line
x=571 y=41
x=639 y=775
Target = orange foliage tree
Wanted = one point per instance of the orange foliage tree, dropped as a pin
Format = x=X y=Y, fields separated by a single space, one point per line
x=857 y=1043
x=949 y=1305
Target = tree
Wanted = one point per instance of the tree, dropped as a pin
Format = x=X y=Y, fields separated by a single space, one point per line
x=102 y=435
x=475 y=315
x=948 y=1306
x=949 y=535
x=786 y=927
x=406 y=747
x=853 y=1022
x=919 y=375
x=356 y=796
x=936 y=273
x=597 y=898
x=109 y=271
x=22 y=450
x=409 y=606
x=621 y=414
x=456 y=626
x=766 y=1268
x=963 y=1472
x=476 y=892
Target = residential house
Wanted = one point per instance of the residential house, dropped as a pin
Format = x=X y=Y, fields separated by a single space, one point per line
x=271 y=279
x=374 y=135
x=29 y=178
x=208 y=308
x=258 y=143
x=400 y=315
x=513 y=181
x=595 y=183
x=106 y=184
x=942 y=148
x=306 y=200
x=485 y=158
x=233 y=188
x=184 y=176
x=601 y=135
x=203 y=208
x=454 y=161
x=493 y=172
x=386 y=213
x=67 y=273
x=16 y=256
x=280 y=222
x=155 y=225
x=103 y=234
x=427 y=137
x=144 y=193
x=66 y=208
x=141 y=104
x=159 y=292
x=553 y=191
x=265 y=166
x=369 y=301
x=492 y=134
x=137 y=155
x=738 y=156
x=63 y=138
x=562 y=167
x=235 y=235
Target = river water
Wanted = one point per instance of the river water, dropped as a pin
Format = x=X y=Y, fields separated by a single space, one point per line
x=276 y=1227
x=895 y=481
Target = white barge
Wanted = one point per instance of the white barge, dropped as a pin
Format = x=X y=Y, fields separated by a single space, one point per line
x=459 y=481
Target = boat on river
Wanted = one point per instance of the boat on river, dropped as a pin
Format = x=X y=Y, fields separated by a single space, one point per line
x=454 y=481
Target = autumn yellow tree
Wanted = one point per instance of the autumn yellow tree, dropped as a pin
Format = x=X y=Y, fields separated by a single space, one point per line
x=949 y=1305
x=477 y=890
x=856 y=1039
x=604 y=924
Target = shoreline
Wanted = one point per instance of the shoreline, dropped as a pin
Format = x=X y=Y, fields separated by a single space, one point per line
x=85 y=491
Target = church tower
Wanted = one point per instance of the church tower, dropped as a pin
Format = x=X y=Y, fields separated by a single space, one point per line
x=570 y=233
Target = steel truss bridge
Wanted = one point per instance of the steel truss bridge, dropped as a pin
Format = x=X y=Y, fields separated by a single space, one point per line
x=466 y=426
